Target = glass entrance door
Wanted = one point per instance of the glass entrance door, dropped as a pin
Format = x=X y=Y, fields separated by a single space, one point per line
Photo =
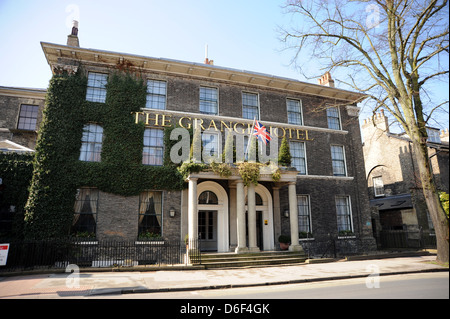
x=207 y=230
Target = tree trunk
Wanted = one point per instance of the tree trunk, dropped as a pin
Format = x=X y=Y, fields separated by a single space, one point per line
x=440 y=221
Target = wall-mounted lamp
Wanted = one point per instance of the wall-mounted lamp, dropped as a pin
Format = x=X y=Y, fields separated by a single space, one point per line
x=286 y=213
x=172 y=212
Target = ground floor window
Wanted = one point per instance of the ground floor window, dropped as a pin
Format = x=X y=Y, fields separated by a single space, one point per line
x=150 y=214
x=84 y=222
x=304 y=216
x=344 y=215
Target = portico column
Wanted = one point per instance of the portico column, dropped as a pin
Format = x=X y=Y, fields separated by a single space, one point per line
x=192 y=210
x=293 y=216
x=251 y=208
x=240 y=216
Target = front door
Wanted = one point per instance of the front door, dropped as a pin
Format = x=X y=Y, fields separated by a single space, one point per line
x=207 y=230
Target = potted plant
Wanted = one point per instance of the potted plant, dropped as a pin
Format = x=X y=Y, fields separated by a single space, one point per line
x=284 y=241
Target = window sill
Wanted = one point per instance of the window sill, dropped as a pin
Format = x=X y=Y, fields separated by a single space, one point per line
x=149 y=242
x=86 y=242
x=347 y=237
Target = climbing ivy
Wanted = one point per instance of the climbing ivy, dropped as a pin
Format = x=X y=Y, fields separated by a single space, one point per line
x=58 y=172
x=16 y=171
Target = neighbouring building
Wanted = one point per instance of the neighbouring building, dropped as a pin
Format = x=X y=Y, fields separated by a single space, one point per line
x=394 y=184
x=321 y=198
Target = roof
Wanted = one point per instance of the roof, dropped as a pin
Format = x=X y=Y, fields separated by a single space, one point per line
x=392 y=202
x=23 y=92
x=54 y=53
x=9 y=146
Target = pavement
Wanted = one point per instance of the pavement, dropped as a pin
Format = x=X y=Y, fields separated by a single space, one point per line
x=88 y=283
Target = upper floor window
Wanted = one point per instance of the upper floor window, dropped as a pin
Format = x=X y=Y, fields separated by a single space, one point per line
x=250 y=106
x=378 y=186
x=298 y=156
x=294 y=109
x=28 y=117
x=434 y=136
x=209 y=100
x=96 y=87
x=338 y=160
x=334 y=121
x=210 y=143
x=91 y=143
x=153 y=151
x=156 y=94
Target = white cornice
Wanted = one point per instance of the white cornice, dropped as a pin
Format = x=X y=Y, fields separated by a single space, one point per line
x=23 y=92
x=55 y=52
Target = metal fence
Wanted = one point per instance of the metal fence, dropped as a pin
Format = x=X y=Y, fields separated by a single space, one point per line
x=406 y=239
x=48 y=254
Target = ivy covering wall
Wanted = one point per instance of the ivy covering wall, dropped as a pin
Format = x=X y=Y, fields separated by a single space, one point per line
x=58 y=172
x=15 y=171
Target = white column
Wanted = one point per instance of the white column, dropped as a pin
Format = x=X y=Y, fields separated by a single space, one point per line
x=251 y=209
x=293 y=216
x=192 y=210
x=276 y=212
x=240 y=216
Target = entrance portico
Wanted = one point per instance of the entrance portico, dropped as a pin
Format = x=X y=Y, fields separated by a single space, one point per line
x=234 y=231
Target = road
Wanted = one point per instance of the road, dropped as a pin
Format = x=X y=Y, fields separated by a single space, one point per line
x=408 y=286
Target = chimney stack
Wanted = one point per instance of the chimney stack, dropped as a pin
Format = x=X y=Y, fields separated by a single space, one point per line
x=208 y=61
x=72 y=38
x=444 y=135
x=326 y=80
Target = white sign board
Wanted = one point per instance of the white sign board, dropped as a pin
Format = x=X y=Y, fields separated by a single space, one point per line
x=4 y=248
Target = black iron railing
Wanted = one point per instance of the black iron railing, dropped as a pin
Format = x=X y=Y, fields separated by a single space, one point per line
x=49 y=254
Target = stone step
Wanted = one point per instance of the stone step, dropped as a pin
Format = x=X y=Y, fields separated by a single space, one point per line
x=229 y=260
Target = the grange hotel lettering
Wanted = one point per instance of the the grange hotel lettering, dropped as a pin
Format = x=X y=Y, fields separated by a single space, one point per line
x=166 y=120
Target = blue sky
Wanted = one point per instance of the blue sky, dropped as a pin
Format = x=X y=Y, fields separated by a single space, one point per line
x=240 y=34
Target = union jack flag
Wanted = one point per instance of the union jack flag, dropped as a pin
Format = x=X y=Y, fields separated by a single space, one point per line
x=260 y=132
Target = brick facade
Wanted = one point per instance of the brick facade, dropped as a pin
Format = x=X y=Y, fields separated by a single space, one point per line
x=117 y=216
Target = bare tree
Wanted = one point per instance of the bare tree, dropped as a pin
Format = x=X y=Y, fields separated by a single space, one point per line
x=390 y=50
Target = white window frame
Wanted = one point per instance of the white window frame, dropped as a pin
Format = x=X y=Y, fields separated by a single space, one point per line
x=149 y=148
x=377 y=186
x=300 y=105
x=144 y=198
x=332 y=160
x=291 y=143
x=338 y=111
x=348 y=213
x=149 y=104
x=258 y=117
x=96 y=87
x=205 y=145
x=216 y=101
x=91 y=143
x=308 y=202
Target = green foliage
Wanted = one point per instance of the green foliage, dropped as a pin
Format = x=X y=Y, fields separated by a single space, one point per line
x=16 y=171
x=249 y=172
x=57 y=169
x=284 y=155
x=444 y=198
x=221 y=169
x=49 y=209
